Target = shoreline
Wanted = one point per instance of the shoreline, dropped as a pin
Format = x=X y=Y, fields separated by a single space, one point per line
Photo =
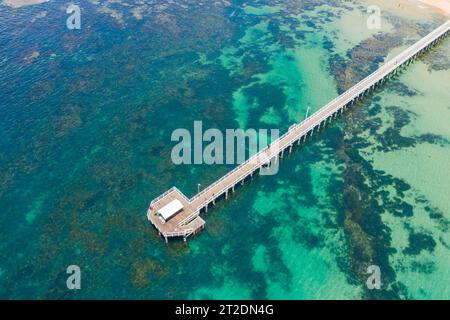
x=15 y=4
x=442 y=6
x=414 y=9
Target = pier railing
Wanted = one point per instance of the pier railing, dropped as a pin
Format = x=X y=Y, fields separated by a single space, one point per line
x=179 y=233
x=189 y=218
x=167 y=192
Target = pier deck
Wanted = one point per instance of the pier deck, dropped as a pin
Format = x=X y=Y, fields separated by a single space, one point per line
x=189 y=222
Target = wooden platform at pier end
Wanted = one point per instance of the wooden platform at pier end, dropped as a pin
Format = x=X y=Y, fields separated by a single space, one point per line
x=188 y=221
x=182 y=224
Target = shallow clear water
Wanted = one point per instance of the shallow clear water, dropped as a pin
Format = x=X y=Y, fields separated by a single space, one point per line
x=86 y=125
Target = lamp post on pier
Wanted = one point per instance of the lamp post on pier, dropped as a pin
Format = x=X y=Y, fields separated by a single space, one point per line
x=307 y=111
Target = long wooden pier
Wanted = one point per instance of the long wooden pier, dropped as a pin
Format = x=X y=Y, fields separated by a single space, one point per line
x=188 y=221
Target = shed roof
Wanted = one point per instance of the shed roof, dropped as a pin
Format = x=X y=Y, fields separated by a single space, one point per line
x=170 y=209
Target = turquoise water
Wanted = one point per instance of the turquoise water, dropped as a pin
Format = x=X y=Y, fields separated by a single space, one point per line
x=86 y=119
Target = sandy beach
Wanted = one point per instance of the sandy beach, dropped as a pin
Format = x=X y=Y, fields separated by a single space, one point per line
x=22 y=3
x=442 y=5
x=414 y=9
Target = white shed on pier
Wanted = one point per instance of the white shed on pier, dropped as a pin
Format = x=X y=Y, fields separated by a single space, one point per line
x=169 y=210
